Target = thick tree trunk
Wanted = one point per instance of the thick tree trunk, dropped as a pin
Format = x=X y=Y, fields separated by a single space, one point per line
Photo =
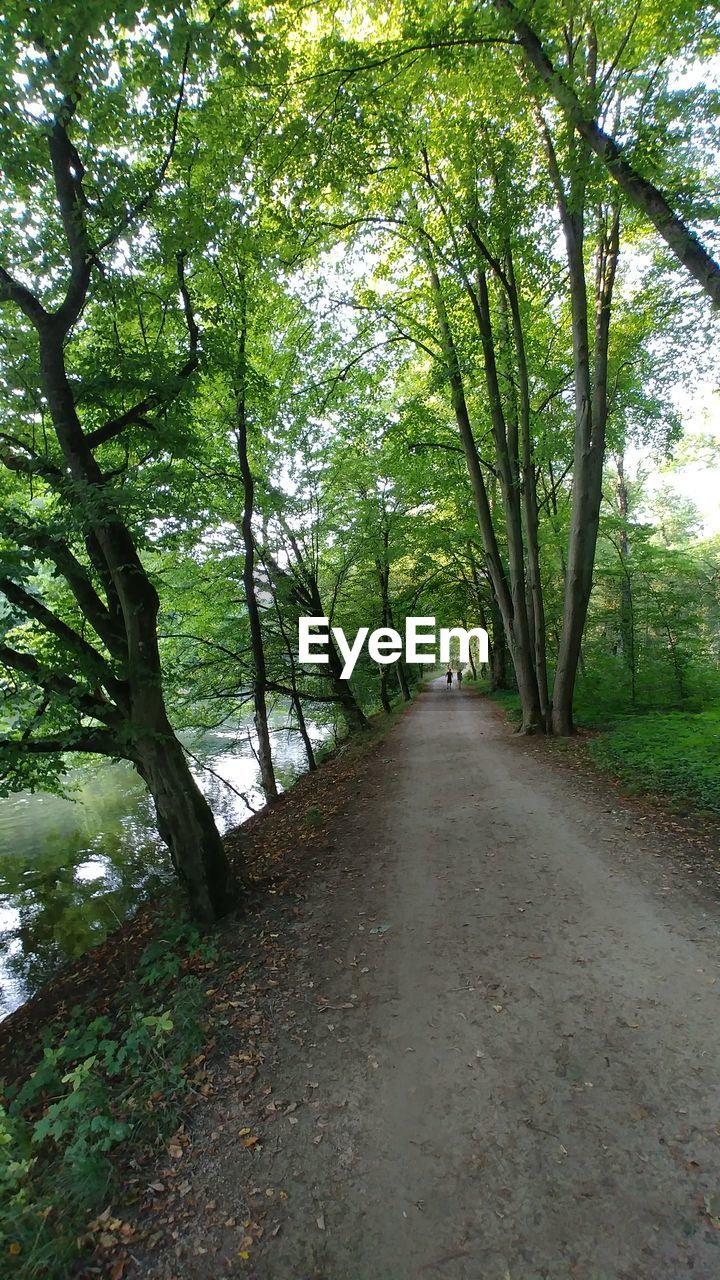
x=186 y=824
x=267 y=773
x=186 y=820
x=383 y=571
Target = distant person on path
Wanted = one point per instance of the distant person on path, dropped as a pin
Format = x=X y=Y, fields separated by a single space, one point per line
x=459 y=677
x=448 y=677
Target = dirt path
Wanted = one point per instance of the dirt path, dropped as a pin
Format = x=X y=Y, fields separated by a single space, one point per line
x=501 y=1058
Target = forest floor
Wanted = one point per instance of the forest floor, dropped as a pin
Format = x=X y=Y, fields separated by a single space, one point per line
x=488 y=1045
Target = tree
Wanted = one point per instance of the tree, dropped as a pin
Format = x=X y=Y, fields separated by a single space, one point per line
x=81 y=657
x=681 y=239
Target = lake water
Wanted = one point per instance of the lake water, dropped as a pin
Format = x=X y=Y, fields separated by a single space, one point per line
x=70 y=870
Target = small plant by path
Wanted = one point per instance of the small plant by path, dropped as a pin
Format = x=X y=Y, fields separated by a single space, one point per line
x=102 y=1082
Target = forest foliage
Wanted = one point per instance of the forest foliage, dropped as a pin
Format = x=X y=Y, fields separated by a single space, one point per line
x=360 y=313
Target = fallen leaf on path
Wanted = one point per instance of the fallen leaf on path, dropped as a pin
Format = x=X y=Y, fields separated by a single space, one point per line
x=712 y=1210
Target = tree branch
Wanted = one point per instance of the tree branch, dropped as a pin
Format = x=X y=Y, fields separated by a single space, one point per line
x=93 y=741
x=134 y=213
x=46 y=547
x=54 y=682
x=166 y=394
x=301 y=693
x=11 y=290
x=34 y=608
x=679 y=237
x=68 y=174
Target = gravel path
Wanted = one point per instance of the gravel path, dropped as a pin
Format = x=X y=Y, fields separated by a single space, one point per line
x=500 y=1061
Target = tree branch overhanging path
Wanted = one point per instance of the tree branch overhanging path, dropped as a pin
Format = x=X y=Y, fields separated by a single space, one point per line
x=680 y=238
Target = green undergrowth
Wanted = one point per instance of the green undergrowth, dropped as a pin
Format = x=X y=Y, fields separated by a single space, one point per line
x=106 y=1087
x=671 y=753
x=675 y=755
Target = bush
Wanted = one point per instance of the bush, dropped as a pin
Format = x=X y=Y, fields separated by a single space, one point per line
x=103 y=1086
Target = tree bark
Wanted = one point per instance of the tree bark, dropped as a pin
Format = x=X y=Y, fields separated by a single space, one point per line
x=590 y=431
x=515 y=632
x=627 y=612
x=186 y=824
x=382 y=566
x=530 y=504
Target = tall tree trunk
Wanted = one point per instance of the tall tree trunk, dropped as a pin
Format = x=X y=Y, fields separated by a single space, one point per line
x=590 y=423
x=186 y=823
x=681 y=240
x=587 y=477
x=515 y=632
x=627 y=612
x=196 y=848
x=382 y=566
x=530 y=503
x=498 y=657
x=267 y=772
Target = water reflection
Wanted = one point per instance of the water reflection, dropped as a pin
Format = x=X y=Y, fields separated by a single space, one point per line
x=70 y=870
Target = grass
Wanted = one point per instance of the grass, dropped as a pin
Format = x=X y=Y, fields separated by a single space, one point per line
x=673 y=754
